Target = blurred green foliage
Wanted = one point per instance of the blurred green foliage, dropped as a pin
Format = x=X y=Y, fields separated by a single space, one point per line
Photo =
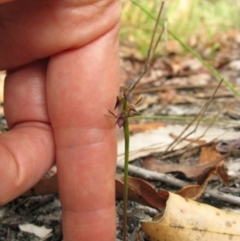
x=192 y=20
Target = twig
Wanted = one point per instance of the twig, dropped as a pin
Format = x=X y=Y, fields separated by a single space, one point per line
x=177 y=182
x=151 y=49
x=197 y=118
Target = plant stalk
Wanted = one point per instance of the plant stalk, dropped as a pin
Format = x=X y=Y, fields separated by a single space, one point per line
x=126 y=160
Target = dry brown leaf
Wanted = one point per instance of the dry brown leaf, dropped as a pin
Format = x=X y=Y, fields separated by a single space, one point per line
x=209 y=154
x=191 y=191
x=145 y=126
x=223 y=175
x=187 y=220
x=147 y=192
x=141 y=192
x=133 y=195
x=195 y=191
x=44 y=186
x=190 y=171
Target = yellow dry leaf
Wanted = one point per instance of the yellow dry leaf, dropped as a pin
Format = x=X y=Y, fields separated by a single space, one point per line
x=187 y=220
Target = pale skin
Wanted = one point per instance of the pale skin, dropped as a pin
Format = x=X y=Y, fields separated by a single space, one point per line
x=63 y=75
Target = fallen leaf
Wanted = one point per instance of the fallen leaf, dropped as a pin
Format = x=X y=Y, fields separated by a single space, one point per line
x=44 y=186
x=207 y=155
x=147 y=192
x=190 y=171
x=223 y=175
x=187 y=220
x=141 y=192
x=191 y=191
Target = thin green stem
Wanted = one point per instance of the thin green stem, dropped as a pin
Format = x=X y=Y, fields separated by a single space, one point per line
x=183 y=118
x=126 y=160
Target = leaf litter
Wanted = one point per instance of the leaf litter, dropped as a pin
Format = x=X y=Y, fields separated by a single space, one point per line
x=160 y=148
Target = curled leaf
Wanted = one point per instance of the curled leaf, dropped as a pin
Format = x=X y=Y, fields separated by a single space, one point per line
x=187 y=220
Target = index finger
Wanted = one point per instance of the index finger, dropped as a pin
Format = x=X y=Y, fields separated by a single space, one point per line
x=6 y=1
x=82 y=84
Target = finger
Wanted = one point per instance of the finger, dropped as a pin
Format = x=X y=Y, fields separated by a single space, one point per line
x=31 y=30
x=87 y=81
x=27 y=150
x=5 y=1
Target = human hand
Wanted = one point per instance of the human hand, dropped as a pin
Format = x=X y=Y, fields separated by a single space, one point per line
x=61 y=57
